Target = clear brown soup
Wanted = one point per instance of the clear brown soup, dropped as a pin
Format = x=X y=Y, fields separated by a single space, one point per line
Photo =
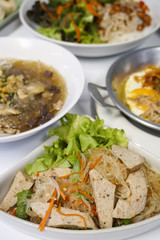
x=31 y=93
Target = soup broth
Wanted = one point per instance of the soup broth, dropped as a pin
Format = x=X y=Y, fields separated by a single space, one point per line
x=31 y=93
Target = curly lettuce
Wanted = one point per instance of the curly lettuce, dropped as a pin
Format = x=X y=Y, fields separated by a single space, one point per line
x=76 y=134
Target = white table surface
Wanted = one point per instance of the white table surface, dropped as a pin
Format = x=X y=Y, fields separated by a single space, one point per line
x=95 y=70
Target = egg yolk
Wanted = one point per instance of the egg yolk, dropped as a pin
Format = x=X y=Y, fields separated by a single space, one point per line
x=146 y=92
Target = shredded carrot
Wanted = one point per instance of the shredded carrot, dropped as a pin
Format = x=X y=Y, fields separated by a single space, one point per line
x=46 y=10
x=77 y=30
x=80 y=202
x=112 y=181
x=70 y=215
x=52 y=15
x=87 y=195
x=77 y=203
x=61 y=7
x=12 y=212
x=93 y=207
x=68 y=184
x=96 y=162
x=90 y=8
x=80 y=159
x=103 y=149
x=43 y=222
x=62 y=194
x=43 y=6
x=67 y=199
x=95 y=3
x=74 y=190
x=95 y=213
x=150 y=193
x=37 y=175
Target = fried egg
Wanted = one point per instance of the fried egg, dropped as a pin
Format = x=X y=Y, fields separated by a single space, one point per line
x=134 y=88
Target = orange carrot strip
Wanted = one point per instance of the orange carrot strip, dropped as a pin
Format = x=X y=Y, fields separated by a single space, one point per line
x=52 y=15
x=43 y=222
x=77 y=203
x=90 y=8
x=73 y=190
x=96 y=162
x=74 y=183
x=103 y=149
x=95 y=3
x=46 y=10
x=12 y=212
x=62 y=194
x=87 y=195
x=64 y=214
x=92 y=210
x=68 y=175
x=80 y=159
x=112 y=181
x=80 y=202
x=43 y=6
x=77 y=30
x=61 y=7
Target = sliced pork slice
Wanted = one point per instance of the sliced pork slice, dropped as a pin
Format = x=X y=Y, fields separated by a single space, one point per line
x=132 y=160
x=134 y=204
x=104 y=194
x=21 y=182
x=58 y=220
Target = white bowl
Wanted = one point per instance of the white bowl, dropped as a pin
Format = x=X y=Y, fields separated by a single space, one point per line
x=52 y=55
x=118 y=233
x=96 y=50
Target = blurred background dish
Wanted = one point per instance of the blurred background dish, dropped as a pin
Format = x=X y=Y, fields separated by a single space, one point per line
x=8 y=11
x=64 y=62
x=96 y=50
x=121 y=81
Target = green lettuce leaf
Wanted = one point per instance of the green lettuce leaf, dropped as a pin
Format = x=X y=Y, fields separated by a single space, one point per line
x=22 y=198
x=76 y=134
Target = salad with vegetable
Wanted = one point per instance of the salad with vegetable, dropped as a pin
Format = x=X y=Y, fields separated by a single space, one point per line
x=87 y=179
x=89 y=21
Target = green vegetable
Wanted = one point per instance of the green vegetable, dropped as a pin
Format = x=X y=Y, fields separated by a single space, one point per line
x=120 y=222
x=21 y=203
x=76 y=134
x=63 y=27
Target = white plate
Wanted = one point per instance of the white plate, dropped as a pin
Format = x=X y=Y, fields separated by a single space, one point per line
x=29 y=228
x=96 y=50
x=53 y=55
